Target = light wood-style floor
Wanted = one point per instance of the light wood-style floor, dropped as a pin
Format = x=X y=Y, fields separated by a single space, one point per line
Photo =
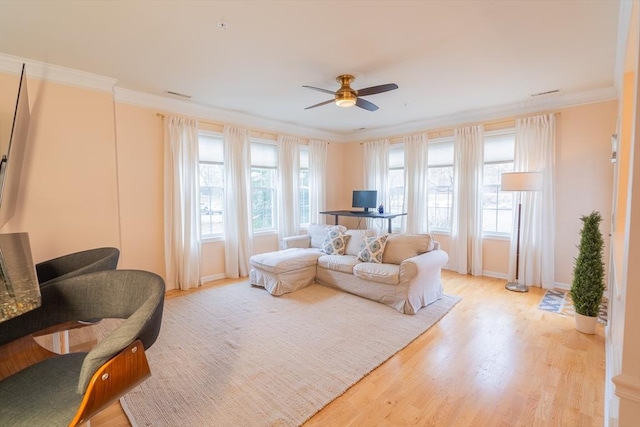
x=494 y=360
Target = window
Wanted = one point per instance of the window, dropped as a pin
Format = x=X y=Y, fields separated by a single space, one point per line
x=303 y=182
x=396 y=183
x=211 y=185
x=497 y=216
x=440 y=186
x=264 y=160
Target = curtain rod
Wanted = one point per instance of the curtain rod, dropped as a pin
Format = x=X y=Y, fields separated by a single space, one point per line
x=438 y=133
x=254 y=133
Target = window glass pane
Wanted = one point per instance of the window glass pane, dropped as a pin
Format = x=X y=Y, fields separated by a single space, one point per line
x=264 y=155
x=396 y=195
x=211 y=168
x=211 y=199
x=304 y=196
x=497 y=205
x=263 y=199
x=440 y=197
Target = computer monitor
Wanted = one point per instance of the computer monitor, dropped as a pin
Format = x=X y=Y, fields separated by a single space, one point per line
x=365 y=199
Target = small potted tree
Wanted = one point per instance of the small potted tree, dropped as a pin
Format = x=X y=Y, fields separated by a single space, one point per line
x=588 y=274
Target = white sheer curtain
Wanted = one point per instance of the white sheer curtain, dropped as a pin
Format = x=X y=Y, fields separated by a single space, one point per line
x=416 y=168
x=238 y=234
x=288 y=177
x=317 y=180
x=466 y=225
x=535 y=152
x=376 y=172
x=181 y=202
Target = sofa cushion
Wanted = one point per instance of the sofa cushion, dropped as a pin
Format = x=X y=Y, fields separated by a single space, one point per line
x=381 y=273
x=335 y=243
x=319 y=232
x=404 y=246
x=286 y=260
x=372 y=248
x=341 y=263
x=357 y=236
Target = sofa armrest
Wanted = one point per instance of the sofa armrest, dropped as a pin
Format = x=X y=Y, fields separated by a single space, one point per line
x=429 y=261
x=296 y=242
x=420 y=277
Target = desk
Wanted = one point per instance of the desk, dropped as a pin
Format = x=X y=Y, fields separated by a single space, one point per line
x=372 y=215
x=19 y=289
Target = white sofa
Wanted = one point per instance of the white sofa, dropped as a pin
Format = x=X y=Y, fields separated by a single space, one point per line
x=407 y=279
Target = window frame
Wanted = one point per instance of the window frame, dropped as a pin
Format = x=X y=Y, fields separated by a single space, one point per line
x=439 y=230
x=274 y=190
x=396 y=223
x=215 y=236
x=301 y=187
x=498 y=235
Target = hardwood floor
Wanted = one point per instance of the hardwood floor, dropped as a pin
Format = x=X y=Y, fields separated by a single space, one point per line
x=494 y=360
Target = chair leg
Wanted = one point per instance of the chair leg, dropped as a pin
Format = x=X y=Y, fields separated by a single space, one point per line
x=61 y=342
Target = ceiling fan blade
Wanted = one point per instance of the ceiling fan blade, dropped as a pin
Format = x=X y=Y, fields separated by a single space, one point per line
x=377 y=89
x=363 y=103
x=320 y=104
x=320 y=89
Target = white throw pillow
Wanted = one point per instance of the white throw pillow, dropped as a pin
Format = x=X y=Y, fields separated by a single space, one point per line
x=319 y=232
x=354 y=243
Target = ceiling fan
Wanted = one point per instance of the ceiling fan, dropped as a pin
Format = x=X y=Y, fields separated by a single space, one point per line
x=348 y=97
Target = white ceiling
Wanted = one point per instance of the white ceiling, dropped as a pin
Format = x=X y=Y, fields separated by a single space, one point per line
x=451 y=59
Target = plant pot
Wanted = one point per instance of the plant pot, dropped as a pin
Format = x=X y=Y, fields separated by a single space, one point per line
x=586 y=324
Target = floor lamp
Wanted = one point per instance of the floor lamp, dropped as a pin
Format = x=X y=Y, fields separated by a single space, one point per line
x=520 y=181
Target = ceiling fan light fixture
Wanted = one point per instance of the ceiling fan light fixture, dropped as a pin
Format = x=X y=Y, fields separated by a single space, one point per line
x=345 y=98
x=345 y=102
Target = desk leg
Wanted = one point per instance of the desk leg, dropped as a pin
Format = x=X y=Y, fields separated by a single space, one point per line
x=389 y=225
x=336 y=221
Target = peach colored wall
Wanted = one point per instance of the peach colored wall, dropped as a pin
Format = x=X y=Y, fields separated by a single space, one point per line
x=68 y=198
x=8 y=95
x=584 y=177
x=140 y=134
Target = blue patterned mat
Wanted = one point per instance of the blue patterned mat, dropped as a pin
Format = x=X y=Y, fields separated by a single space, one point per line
x=559 y=301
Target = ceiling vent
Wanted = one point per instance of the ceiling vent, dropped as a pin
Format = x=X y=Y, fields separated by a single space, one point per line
x=549 y=92
x=181 y=95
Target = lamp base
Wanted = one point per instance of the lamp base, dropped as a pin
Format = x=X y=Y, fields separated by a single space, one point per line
x=516 y=287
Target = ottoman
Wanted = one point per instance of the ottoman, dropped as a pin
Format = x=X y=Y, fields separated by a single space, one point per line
x=284 y=271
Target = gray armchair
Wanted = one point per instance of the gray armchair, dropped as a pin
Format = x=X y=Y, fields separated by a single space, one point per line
x=61 y=390
x=77 y=263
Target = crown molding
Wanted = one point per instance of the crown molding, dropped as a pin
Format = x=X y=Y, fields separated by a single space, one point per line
x=493 y=113
x=68 y=76
x=218 y=115
x=55 y=73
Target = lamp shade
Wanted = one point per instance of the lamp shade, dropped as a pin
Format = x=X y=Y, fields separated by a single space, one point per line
x=521 y=181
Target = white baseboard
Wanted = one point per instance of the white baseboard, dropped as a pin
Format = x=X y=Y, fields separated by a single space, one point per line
x=494 y=274
x=211 y=278
x=560 y=285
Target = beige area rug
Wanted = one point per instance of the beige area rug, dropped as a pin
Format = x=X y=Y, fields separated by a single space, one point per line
x=237 y=356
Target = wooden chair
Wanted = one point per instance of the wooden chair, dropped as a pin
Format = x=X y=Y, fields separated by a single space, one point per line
x=38 y=387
